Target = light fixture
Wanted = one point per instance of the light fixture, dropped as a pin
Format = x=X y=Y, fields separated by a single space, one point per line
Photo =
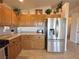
x=21 y=0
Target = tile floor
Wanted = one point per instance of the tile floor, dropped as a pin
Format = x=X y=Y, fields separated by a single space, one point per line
x=72 y=53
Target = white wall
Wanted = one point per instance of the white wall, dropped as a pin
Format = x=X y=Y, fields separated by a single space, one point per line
x=77 y=33
x=44 y=8
x=65 y=13
x=74 y=25
x=32 y=11
x=69 y=26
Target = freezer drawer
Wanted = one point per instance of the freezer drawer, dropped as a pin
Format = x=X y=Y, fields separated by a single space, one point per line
x=55 y=45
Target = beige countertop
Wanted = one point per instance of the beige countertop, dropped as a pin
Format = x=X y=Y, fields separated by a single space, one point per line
x=31 y=34
x=11 y=36
x=8 y=36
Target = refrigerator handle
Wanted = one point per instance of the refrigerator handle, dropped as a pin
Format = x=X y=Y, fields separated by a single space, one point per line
x=53 y=31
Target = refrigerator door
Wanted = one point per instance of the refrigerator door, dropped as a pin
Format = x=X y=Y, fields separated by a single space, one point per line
x=61 y=28
x=51 y=28
x=56 y=28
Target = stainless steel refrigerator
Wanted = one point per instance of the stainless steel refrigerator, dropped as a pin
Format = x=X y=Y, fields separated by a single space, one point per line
x=56 y=30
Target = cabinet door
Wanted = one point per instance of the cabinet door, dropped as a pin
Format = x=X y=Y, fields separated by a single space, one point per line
x=39 y=17
x=14 y=48
x=32 y=21
x=26 y=42
x=37 y=20
x=22 y=20
x=6 y=15
x=38 y=42
x=28 y=20
x=18 y=45
x=11 y=51
x=0 y=15
x=14 y=19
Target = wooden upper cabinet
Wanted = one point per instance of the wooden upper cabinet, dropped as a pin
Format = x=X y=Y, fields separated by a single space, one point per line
x=0 y=15
x=6 y=15
x=53 y=16
x=36 y=20
x=24 y=20
x=13 y=19
x=40 y=17
x=9 y=18
x=21 y=20
x=30 y=20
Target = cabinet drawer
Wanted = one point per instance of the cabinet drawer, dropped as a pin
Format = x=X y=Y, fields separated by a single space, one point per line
x=12 y=41
x=38 y=37
x=26 y=37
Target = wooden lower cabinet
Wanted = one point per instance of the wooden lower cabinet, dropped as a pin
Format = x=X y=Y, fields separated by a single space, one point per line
x=19 y=47
x=14 y=48
x=11 y=51
x=26 y=42
x=38 y=43
x=33 y=42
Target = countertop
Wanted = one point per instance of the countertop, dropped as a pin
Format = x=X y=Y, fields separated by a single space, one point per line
x=11 y=36
x=8 y=36
x=31 y=34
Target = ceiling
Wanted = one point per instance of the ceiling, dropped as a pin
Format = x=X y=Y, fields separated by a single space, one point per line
x=31 y=4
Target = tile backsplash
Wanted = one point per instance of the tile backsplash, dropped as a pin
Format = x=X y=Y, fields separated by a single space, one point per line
x=1 y=30
x=7 y=30
x=28 y=29
x=4 y=30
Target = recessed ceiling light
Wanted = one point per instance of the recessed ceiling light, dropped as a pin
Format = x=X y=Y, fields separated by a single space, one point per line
x=21 y=0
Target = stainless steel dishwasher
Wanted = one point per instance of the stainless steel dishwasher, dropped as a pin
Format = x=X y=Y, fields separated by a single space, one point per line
x=2 y=53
